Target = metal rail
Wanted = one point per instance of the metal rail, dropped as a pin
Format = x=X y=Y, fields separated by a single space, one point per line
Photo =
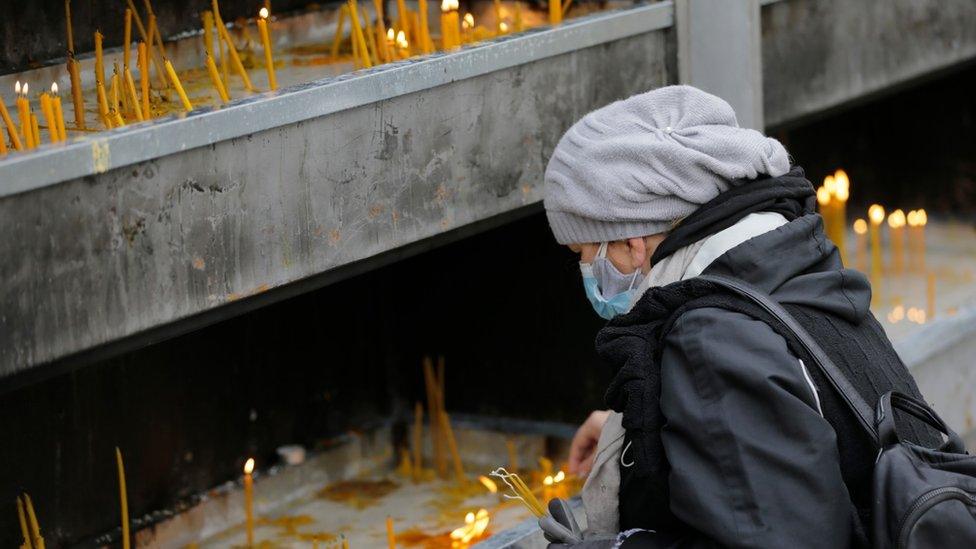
x=51 y=164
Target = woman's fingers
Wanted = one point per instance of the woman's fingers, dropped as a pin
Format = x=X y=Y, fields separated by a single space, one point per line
x=583 y=447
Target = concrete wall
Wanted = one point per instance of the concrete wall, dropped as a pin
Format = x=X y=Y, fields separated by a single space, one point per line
x=822 y=54
x=103 y=257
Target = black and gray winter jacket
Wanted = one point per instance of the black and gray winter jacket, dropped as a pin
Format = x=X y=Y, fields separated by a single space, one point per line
x=730 y=440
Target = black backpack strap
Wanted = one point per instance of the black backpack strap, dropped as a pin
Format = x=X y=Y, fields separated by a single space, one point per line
x=837 y=379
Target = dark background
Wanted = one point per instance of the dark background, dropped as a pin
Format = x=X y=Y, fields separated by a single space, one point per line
x=504 y=305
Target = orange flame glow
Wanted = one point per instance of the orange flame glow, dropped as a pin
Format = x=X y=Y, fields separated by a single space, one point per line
x=474 y=526
x=488 y=483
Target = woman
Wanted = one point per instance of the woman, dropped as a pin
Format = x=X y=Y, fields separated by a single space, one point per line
x=718 y=435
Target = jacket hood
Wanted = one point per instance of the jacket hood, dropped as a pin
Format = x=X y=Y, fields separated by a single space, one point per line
x=796 y=263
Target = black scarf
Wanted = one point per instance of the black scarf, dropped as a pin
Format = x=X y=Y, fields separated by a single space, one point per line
x=790 y=195
x=632 y=341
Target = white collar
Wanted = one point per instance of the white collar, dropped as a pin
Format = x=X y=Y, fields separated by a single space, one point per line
x=747 y=228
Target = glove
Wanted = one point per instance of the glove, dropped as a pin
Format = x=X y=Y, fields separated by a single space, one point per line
x=562 y=531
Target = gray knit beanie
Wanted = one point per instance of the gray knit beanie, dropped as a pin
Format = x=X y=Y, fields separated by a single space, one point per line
x=633 y=167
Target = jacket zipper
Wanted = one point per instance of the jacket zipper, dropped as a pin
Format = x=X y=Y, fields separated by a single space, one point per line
x=925 y=502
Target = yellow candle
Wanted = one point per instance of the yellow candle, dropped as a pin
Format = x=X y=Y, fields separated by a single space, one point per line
x=861 y=234
x=916 y=231
x=383 y=48
x=452 y=446
x=519 y=22
x=842 y=192
x=117 y=119
x=498 y=17
x=113 y=92
x=11 y=128
x=403 y=19
x=77 y=98
x=144 y=79
x=876 y=215
x=370 y=39
x=175 y=80
x=68 y=29
x=266 y=42
x=127 y=41
x=390 y=535
x=450 y=33
x=99 y=60
x=36 y=130
x=337 y=39
x=249 y=500
x=418 y=430
x=235 y=59
x=3 y=146
x=103 y=111
x=23 y=524
x=426 y=46
x=35 y=530
x=208 y=22
x=123 y=498
x=23 y=113
x=133 y=96
x=930 y=295
x=403 y=46
x=896 y=224
x=555 y=12
x=215 y=78
x=157 y=37
x=58 y=112
x=48 y=111
x=345 y=542
x=357 y=31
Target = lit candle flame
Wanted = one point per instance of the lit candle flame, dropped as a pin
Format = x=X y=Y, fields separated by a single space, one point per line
x=54 y=88
x=25 y=89
x=401 y=40
x=898 y=313
x=560 y=476
x=860 y=226
x=489 y=484
x=823 y=196
x=390 y=34
x=876 y=213
x=843 y=184
x=503 y=26
x=896 y=219
x=249 y=466
x=830 y=184
x=548 y=480
x=916 y=315
x=468 y=22
x=449 y=5
x=923 y=217
x=17 y=87
x=474 y=526
x=263 y=13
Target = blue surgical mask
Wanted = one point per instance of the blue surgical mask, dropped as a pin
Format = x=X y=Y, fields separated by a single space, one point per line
x=609 y=291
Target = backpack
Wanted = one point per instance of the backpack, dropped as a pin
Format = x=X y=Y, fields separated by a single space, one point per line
x=922 y=497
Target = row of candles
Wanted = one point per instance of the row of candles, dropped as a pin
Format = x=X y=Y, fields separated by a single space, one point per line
x=119 y=99
x=122 y=99
x=442 y=437
x=832 y=198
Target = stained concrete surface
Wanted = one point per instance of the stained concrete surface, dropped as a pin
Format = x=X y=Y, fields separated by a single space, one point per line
x=101 y=258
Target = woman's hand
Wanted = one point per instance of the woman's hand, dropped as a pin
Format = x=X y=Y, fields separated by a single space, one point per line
x=583 y=448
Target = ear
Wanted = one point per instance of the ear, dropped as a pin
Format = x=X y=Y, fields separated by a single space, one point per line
x=638 y=252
